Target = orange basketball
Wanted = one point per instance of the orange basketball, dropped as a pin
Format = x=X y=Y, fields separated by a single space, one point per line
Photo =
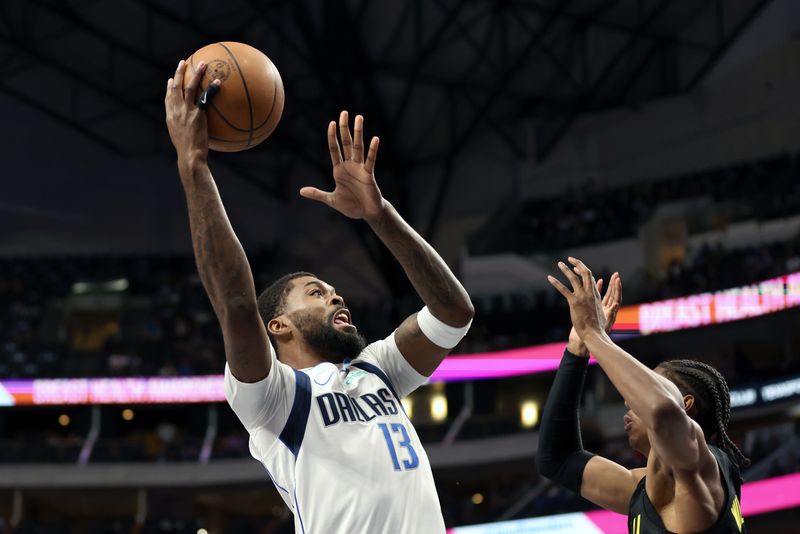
x=250 y=102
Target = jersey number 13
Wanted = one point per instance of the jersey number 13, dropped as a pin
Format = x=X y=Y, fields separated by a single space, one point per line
x=404 y=442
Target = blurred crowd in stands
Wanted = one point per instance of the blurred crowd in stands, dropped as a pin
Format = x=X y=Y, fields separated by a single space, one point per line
x=162 y=324
x=714 y=268
x=62 y=316
x=591 y=213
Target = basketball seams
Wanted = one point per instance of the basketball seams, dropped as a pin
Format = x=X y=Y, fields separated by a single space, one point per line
x=240 y=140
x=232 y=127
x=243 y=143
x=227 y=141
x=246 y=91
x=274 y=98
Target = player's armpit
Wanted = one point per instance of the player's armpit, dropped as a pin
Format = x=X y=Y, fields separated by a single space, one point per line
x=609 y=484
x=419 y=351
x=246 y=342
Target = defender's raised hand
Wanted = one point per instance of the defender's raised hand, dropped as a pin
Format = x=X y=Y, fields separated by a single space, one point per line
x=585 y=305
x=356 y=194
x=611 y=303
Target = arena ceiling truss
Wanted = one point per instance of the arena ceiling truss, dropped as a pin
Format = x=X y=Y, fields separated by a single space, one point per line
x=429 y=75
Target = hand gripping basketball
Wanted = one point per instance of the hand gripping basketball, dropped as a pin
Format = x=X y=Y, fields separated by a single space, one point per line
x=186 y=123
x=250 y=105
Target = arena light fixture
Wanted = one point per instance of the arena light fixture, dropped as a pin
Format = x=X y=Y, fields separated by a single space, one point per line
x=438 y=407
x=529 y=414
x=109 y=286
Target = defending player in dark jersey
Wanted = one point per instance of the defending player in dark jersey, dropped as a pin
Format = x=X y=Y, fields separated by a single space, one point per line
x=677 y=418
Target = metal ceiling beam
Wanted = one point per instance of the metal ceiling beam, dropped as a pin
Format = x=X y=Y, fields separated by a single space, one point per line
x=31 y=49
x=506 y=78
x=723 y=47
x=451 y=14
x=589 y=97
x=482 y=110
x=396 y=33
x=610 y=26
x=68 y=13
x=589 y=100
x=480 y=48
x=663 y=48
x=636 y=75
x=62 y=118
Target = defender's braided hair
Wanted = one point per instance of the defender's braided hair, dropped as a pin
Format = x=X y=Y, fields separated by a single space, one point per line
x=712 y=401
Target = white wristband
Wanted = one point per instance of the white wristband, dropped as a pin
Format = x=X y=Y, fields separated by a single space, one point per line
x=440 y=334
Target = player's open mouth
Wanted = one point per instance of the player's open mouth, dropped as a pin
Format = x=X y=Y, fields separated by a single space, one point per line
x=342 y=318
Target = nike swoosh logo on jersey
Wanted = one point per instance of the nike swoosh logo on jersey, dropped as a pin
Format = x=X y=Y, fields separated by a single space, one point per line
x=323 y=383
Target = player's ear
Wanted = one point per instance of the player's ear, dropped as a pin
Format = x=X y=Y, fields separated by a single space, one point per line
x=688 y=403
x=279 y=328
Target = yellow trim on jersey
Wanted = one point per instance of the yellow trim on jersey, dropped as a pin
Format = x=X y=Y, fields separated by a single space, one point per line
x=736 y=510
x=637 y=524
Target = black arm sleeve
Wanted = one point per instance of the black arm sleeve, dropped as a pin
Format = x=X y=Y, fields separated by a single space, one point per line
x=561 y=457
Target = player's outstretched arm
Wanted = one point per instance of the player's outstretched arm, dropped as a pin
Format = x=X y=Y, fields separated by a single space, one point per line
x=561 y=456
x=357 y=196
x=676 y=440
x=221 y=260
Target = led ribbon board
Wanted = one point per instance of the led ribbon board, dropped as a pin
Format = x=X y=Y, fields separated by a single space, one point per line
x=707 y=309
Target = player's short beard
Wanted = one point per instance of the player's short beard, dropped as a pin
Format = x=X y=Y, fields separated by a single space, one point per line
x=333 y=344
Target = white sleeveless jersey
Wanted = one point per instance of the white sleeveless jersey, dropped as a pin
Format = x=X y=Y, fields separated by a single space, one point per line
x=338 y=445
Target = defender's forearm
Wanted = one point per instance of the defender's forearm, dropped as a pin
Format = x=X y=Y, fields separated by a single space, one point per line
x=561 y=456
x=433 y=280
x=221 y=260
x=648 y=394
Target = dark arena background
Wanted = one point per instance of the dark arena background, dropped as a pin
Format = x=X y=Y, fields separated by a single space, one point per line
x=657 y=138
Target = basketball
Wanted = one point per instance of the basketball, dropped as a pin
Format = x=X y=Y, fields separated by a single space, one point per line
x=249 y=104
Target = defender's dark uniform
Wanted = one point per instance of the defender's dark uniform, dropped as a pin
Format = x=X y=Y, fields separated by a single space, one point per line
x=643 y=518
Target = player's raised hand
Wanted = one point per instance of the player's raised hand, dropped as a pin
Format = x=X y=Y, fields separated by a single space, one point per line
x=586 y=308
x=185 y=121
x=612 y=300
x=356 y=194
x=611 y=303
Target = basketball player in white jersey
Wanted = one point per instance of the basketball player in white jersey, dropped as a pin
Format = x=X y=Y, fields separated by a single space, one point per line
x=323 y=408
